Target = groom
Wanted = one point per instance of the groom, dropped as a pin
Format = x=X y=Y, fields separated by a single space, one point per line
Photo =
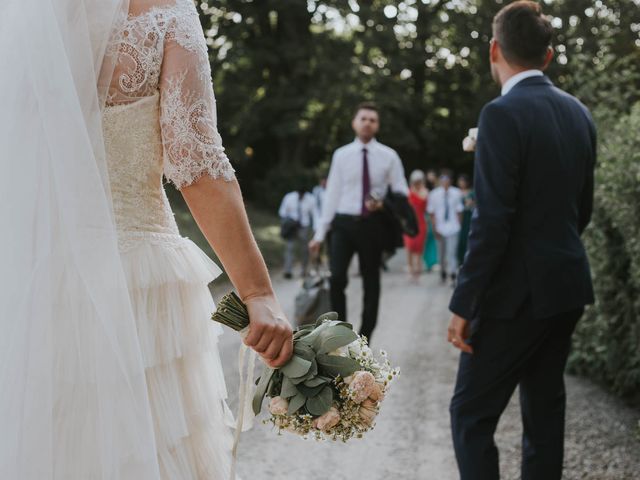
x=525 y=280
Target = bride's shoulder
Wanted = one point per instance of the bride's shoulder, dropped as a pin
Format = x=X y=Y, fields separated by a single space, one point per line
x=176 y=8
x=162 y=9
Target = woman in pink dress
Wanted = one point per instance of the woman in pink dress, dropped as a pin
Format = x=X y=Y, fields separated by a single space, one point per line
x=415 y=245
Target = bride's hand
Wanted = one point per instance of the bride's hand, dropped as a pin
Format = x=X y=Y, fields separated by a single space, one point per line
x=270 y=333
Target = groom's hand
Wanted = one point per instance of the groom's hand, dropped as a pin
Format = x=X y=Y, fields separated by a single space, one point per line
x=458 y=334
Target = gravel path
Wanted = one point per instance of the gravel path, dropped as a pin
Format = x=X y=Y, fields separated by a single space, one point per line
x=411 y=440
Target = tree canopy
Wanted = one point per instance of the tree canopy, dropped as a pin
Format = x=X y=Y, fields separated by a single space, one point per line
x=288 y=74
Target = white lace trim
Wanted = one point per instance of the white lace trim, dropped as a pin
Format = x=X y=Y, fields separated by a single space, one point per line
x=190 y=138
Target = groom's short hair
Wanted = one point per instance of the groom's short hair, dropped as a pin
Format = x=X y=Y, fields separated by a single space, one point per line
x=524 y=33
x=366 y=106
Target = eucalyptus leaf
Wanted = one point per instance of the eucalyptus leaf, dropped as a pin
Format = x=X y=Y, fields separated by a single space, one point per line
x=288 y=388
x=296 y=367
x=314 y=382
x=296 y=403
x=333 y=366
x=261 y=389
x=331 y=316
x=311 y=391
x=334 y=338
x=321 y=403
x=303 y=350
x=313 y=371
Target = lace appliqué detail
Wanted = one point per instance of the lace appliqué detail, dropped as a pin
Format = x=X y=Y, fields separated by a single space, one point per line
x=185 y=29
x=191 y=141
x=138 y=48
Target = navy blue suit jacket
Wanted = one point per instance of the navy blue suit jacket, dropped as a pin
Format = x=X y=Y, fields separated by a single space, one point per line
x=534 y=163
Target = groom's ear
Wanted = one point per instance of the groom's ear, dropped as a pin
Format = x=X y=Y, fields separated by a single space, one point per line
x=494 y=51
x=547 y=59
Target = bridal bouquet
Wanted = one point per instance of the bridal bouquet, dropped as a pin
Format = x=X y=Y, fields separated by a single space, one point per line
x=332 y=387
x=469 y=142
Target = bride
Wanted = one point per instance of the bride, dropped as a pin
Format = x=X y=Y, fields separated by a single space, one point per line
x=108 y=361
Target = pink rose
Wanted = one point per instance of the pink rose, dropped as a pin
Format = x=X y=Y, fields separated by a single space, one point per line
x=279 y=406
x=377 y=395
x=328 y=420
x=368 y=412
x=362 y=386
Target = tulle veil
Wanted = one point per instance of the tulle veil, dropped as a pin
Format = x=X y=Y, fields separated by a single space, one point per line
x=73 y=399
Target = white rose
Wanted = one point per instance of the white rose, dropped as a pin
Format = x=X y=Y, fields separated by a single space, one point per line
x=340 y=352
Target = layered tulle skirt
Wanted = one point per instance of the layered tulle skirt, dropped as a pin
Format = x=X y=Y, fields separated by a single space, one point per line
x=172 y=307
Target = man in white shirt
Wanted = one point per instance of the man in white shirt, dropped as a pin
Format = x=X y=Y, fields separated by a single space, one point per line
x=360 y=174
x=445 y=208
x=296 y=212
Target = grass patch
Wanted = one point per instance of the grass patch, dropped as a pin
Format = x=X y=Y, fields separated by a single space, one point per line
x=264 y=224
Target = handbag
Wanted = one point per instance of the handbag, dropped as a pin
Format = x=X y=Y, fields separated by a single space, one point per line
x=289 y=228
x=313 y=299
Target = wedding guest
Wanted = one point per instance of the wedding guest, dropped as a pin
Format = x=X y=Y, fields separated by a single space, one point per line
x=445 y=208
x=468 y=203
x=415 y=245
x=430 y=256
x=296 y=213
x=431 y=179
x=360 y=174
x=526 y=278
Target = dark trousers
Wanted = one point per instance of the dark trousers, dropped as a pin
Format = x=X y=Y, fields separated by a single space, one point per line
x=361 y=235
x=524 y=351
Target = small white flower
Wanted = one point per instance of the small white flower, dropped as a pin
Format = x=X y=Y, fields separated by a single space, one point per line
x=354 y=348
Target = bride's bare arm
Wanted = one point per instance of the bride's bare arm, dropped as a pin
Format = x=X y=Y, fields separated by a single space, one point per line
x=194 y=161
x=218 y=209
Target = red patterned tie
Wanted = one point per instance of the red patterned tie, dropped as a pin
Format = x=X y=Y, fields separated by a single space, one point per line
x=366 y=182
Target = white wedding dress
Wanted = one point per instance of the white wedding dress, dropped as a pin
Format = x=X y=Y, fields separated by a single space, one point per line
x=109 y=367
x=161 y=119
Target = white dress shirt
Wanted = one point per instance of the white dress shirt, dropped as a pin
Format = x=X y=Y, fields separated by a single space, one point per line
x=438 y=200
x=344 y=184
x=318 y=194
x=294 y=207
x=518 y=77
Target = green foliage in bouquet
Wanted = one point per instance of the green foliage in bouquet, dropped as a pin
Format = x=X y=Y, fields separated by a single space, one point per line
x=307 y=380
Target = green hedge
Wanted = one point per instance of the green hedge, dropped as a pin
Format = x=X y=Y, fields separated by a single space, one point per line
x=607 y=340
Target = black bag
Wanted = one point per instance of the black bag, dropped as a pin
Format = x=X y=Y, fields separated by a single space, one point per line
x=289 y=228
x=313 y=300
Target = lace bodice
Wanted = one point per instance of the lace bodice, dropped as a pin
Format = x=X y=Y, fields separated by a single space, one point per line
x=162 y=50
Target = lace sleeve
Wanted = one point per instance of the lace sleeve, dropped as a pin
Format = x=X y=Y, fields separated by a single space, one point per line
x=191 y=142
